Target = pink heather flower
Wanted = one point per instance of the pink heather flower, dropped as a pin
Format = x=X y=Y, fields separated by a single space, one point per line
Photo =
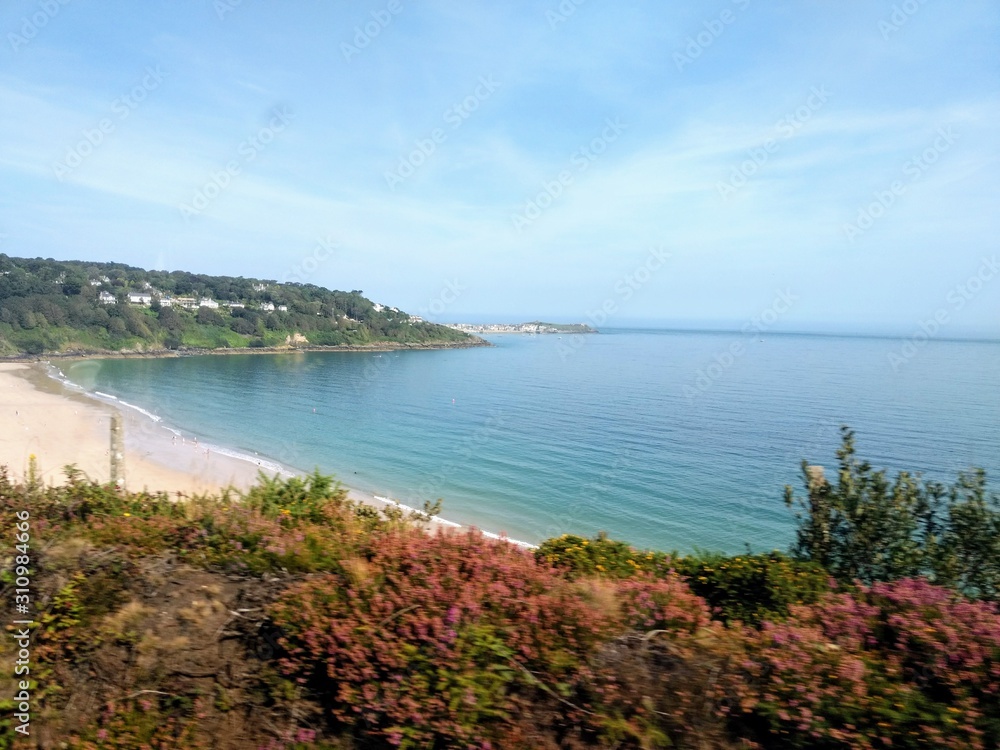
x=452 y=616
x=102 y=734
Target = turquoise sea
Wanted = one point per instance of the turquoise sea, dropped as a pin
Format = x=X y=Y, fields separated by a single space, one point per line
x=543 y=435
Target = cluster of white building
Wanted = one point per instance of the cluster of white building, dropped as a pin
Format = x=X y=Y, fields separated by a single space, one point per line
x=145 y=299
x=501 y=328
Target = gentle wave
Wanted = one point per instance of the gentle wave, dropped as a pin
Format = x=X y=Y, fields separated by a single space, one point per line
x=262 y=462
x=142 y=411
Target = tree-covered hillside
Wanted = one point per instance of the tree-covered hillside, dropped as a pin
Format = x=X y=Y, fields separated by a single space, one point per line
x=69 y=306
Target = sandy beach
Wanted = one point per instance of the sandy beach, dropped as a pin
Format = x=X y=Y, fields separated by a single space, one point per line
x=60 y=425
x=41 y=417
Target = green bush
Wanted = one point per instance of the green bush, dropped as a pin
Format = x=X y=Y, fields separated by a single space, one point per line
x=865 y=527
x=748 y=588
x=753 y=588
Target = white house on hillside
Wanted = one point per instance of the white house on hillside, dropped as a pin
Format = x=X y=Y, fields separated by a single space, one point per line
x=140 y=298
x=209 y=303
x=267 y=306
x=107 y=298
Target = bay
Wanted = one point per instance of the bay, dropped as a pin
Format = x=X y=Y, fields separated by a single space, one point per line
x=665 y=439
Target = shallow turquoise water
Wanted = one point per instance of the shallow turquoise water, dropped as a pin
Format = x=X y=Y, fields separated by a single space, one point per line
x=543 y=435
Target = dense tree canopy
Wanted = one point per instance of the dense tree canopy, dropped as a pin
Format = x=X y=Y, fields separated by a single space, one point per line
x=48 y=305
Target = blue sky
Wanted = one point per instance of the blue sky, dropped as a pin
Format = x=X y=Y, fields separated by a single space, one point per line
x=687 y=163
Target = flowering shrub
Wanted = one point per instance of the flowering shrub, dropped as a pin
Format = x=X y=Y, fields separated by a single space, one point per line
x=292 y=524
x=665 y=681
x=666 y=603
x=577 y=556
x=403 y=638
x=748 y=588
x=142 y=723
x=904 y=665
x=658 y=690
x=431 y=638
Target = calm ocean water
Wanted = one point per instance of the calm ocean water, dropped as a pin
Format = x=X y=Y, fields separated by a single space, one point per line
x=544 y=435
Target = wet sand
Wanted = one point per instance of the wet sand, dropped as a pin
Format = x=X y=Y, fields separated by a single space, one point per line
x=40 y=417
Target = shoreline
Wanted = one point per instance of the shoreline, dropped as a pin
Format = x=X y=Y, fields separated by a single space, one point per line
x=67 y=424
x=383 y=346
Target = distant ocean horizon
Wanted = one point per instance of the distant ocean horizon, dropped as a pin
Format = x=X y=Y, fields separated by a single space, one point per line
x=666 y=439
x=950 y=332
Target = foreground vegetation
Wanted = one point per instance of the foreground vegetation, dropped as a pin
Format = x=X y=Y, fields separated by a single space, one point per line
x=57 y=306
x=293 y=619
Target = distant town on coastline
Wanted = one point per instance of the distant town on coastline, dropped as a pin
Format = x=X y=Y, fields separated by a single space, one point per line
x=49 y=306
x=533 y=327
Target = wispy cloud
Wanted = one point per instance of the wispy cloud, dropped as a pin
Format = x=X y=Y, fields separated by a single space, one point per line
x=686 y=132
